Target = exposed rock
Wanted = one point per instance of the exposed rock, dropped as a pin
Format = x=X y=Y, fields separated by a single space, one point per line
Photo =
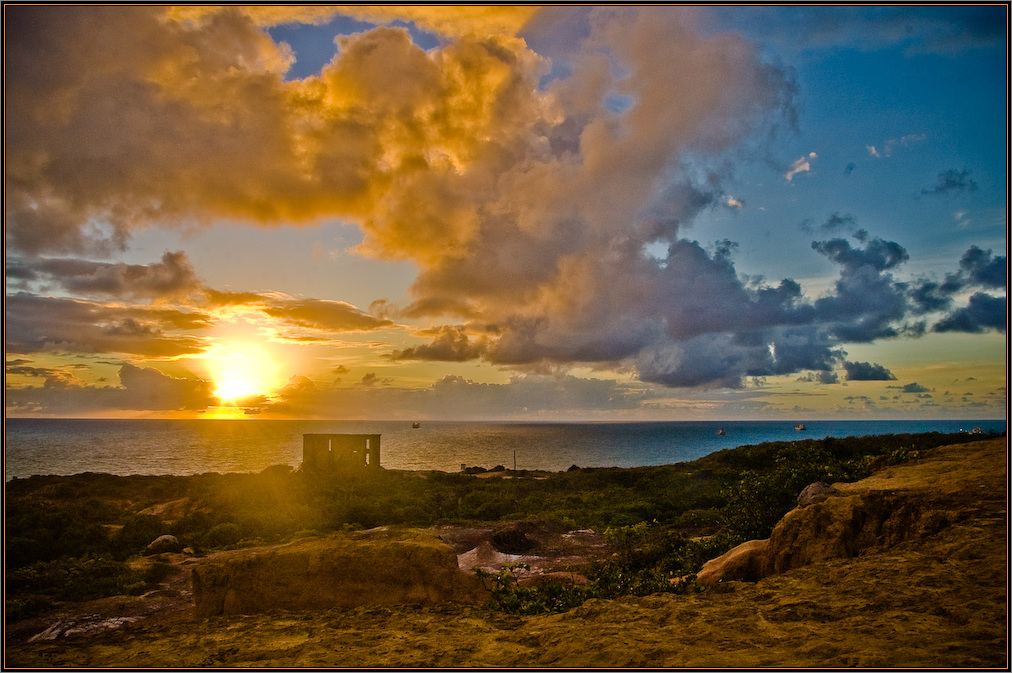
x=814 y=493
x=372 y=568
x=512 y=540
x=87 y=625
x=897 y=504
x=486 y=557
x=164 y=544
x=745 y=562
x=843 y=527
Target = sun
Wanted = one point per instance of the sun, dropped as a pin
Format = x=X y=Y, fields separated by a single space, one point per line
x=233 y=384
x=241 y=371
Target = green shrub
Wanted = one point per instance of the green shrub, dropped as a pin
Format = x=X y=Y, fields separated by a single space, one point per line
x=16 y=609
x=156 y=572
x=550 y=595
x=222 y=535
x=507 y=595
x=93 y=577
x=138 y=531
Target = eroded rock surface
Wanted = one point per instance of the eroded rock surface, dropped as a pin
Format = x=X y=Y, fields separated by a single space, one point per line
x=912 y=500
x=369 y=568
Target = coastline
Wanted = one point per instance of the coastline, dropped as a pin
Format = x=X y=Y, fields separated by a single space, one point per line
x=176 y=447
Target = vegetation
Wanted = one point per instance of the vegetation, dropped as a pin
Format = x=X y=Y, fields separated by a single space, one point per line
x=71 y=538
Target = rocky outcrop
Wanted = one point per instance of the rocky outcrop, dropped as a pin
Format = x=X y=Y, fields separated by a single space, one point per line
x=814 y=493
x=164 y=544
x=369 y=568
x=902 y=502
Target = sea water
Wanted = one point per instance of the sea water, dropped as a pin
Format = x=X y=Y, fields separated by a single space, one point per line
x=184 y=447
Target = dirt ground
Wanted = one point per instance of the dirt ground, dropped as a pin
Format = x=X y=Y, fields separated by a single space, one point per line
x=939 y=601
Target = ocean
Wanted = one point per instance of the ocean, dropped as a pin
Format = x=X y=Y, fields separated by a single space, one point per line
x=185 y=447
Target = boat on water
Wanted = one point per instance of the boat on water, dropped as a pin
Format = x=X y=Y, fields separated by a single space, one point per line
x=800 y=427
x=721 y=432
x=416 y=425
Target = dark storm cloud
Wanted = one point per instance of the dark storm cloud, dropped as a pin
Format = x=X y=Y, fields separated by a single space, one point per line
x=690 y=320
x=930 y=296
x=982 y=313
x=878 y=254
x=866 y=371
x=983 y=269
x=952 y=181
x=867 y=301
x=977 y=268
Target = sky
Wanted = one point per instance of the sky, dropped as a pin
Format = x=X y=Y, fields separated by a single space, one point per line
x=519 y=213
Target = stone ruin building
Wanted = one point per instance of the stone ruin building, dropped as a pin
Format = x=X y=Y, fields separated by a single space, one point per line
x=324 y=452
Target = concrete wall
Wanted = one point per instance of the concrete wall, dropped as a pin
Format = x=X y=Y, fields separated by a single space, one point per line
x=340 y=451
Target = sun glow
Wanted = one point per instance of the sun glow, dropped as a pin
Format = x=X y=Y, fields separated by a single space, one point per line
x=241 y=371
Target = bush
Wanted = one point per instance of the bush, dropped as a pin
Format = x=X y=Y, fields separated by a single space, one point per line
x=93 y=577
x=550 y=595
x=156 y=572
x=16 y=609
x=138 y=532
x=507 y=595
x=222 y=535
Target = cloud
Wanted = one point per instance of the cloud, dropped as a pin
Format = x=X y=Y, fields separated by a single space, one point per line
x=526 y=199
x=320 y=314
x=890 y=145
x=451 y=344
x=952 y=181
x=370 y=379
x=868 y=301
x=913 y=388
x=171 y=277
x=837 y=221
x=983 y=269
x=462 y=20
x=866 y=371
x=826 y=377
x=802 y=165
x=140 y=389
x=983 y=312
x=34 y=324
